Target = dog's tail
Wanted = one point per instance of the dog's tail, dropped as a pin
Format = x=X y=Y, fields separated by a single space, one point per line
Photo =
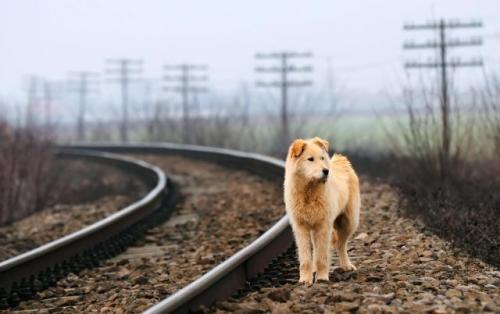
x=342 y=169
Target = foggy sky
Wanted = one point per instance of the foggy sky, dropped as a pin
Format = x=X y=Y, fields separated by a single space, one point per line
x=363 y=38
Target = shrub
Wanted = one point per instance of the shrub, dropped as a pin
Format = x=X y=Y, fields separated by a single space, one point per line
x=26 y=182
x=457 y=196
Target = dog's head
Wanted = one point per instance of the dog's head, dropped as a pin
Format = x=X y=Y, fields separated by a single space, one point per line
x=309 y=159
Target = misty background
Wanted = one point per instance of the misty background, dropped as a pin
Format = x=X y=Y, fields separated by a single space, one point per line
x=356 y=46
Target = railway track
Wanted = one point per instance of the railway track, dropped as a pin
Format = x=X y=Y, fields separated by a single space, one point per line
x=402 y=267
x=231 y=275
x=22 y=276
x=213 y=220
x=92 y=192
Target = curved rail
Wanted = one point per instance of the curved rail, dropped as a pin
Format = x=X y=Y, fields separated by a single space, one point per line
x=26 y=273
x=231 y=275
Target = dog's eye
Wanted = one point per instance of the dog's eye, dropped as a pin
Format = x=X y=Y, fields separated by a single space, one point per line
x=322 y=158
x=310 y=159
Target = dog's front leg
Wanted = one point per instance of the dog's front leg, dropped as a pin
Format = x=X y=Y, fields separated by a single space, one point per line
x=321 y=238
x=303 y=240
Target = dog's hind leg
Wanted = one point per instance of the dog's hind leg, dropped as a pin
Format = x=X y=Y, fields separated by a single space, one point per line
x=335 y=238
x=344 y=228
x=303 y=241
x=321 y=239
x=314 y=252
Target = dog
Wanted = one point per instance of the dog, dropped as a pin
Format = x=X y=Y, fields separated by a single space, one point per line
x=322 y=201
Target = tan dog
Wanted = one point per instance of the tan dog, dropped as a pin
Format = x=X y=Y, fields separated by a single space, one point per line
x=322 y=202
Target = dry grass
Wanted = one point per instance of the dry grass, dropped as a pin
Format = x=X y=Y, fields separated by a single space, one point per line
x=488 y=99
x=26 y=183
x=419 y=140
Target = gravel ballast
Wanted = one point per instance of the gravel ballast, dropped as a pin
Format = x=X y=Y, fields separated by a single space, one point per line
x=221 y=210
x=402 y=268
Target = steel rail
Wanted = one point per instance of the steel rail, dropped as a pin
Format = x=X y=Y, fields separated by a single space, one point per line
x=231 y=275
x=22 y=275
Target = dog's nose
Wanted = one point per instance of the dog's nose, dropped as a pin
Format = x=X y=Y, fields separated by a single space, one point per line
x=326 y=171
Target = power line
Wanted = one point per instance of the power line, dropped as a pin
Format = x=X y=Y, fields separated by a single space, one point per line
x=443 y=44
x=186 y=79
x=450 y=24
x=365 y=66
x=284 y=83
x=81 y=82
x=124 y=69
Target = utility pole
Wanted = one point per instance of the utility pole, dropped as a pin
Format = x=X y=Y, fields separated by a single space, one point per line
x=330 y=86
x=284 y=69
x=81 y=81
x=124 y=69
x=31 y=103
x=245 y=103
x=48 y=99
x=186 y=83
x=442 y=45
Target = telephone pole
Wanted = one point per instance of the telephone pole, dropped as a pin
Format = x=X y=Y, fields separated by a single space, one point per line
x=47 y=99
x=124 y=69
x=33 y=84
x=442 y=45
x=51 y=95
x=283 y=70
x=82 y=80
x=330 y=86
x=187 y=79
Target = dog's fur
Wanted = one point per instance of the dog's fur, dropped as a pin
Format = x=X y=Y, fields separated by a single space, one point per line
x=323 y=209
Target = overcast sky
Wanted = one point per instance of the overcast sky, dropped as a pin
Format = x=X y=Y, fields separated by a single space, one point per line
x=363 y=38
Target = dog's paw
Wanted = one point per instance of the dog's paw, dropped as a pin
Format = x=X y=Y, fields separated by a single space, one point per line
x=306 y=280
x=322 y=277
x=348 y=267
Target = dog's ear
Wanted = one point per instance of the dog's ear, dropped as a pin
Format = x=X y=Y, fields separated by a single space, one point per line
x=297 y=148
x=322 y=143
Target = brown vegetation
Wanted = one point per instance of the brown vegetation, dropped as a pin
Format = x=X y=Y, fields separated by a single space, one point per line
x=463 y=205
x=488 y=99
x=26 y=183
